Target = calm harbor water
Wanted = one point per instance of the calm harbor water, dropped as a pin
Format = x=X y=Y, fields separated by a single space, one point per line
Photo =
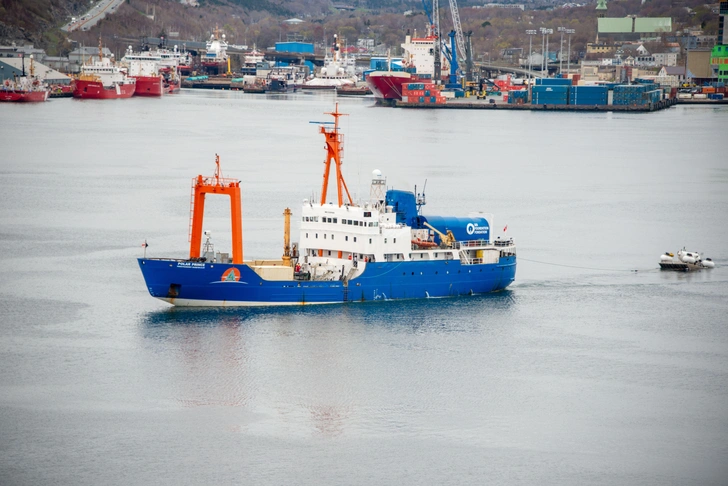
x=593 y=368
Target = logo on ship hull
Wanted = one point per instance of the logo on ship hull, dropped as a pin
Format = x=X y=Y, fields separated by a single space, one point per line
x=231 y=275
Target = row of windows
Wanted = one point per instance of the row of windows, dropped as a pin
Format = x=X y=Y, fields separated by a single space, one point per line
x=315 y=219
x=346 y=238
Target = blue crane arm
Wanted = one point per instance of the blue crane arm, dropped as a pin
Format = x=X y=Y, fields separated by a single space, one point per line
x=427 y=11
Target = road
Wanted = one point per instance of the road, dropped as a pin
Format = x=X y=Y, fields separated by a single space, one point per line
x=91 y=18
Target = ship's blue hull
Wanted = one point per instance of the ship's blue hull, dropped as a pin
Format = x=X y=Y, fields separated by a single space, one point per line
x=200 y=284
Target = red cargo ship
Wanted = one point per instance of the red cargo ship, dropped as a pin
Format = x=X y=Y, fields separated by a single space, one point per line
x=418 y=63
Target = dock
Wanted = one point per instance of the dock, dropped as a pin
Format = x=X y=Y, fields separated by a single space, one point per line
x=468 y=104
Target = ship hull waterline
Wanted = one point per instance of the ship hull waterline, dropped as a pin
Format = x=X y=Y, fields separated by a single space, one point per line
x=97 y=91
x=149 y=86
x=24 y=96
x=194 y=284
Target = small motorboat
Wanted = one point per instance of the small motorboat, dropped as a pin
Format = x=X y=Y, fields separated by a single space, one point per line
x=685 y=261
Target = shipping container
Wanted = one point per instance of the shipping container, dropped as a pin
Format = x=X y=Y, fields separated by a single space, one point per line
x=301 y=47
x=553 y=82
x=588 y=95
x=551 y=89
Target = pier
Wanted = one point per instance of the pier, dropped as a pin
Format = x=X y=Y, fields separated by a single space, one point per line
x=467 y=104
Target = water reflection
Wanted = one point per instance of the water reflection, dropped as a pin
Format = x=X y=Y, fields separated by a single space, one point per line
x=435 y=315
x=305 y=370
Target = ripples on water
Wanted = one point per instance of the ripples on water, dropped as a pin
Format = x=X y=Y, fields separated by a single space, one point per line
x=574 y=375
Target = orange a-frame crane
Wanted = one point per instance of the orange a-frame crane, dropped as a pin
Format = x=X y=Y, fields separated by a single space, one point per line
x=216 y=185
x=334 y=149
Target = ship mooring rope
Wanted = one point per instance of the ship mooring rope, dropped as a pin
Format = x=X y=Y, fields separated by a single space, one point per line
x=582 y=268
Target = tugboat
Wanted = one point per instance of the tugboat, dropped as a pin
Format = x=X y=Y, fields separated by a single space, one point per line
x=103 y=79
x=685 y=261
x=384 y=248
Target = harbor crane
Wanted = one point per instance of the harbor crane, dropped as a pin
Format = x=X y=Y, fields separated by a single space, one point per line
x=459 y=48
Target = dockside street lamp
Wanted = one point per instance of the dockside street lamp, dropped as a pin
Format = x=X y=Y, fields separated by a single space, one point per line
x=568 y=60
x=561 y=48
x=543 y=44
x=548 y=32
x=530 y=34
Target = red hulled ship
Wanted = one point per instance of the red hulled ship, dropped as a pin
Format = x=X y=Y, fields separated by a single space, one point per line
x=418 y=65
x=155 y=71
x=103 y=80
x=215 y=60
x=24 y=88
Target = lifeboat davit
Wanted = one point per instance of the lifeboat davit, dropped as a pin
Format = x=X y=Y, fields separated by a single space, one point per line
x=424 y=244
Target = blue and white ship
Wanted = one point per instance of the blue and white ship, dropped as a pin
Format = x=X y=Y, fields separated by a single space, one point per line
x=381 y=249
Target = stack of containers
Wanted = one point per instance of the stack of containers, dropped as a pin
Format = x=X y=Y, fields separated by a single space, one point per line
x=588 y=95
x=518 y=97
x=551 y=91
x=424 y=93
x=631 y=94
x=653 y=96
x=412 y=92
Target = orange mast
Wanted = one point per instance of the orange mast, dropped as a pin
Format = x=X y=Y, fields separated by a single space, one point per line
x=334 y=149
x=216 y=185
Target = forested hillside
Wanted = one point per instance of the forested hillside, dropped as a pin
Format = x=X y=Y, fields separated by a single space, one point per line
x=260 y=22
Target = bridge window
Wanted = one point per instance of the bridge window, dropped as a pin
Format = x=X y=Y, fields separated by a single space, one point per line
x=335 y=220
x=356 y=223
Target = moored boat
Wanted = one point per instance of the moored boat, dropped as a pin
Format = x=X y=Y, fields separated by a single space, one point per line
x=215 y=60
x=103 y=79
x=384 y=248
x=155 y=71
x=353 y=90
x=25 y=88
x=418 y=66
x=338 y=71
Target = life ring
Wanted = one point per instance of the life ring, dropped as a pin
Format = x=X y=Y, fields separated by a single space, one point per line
x=349 y=257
